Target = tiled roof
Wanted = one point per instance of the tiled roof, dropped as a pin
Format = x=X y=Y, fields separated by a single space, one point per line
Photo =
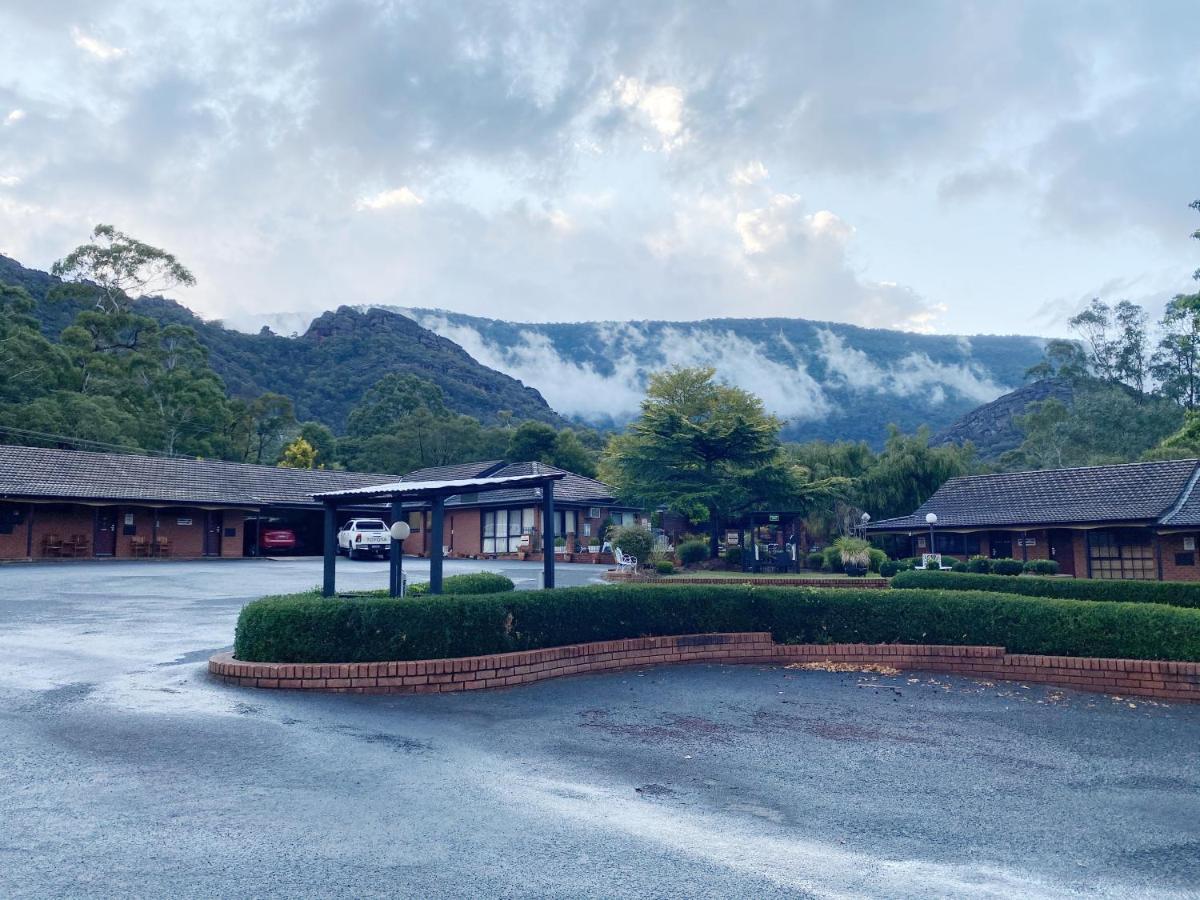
x=1137 y=492
x=455 y=472
x=570 y=489
x=77 y=474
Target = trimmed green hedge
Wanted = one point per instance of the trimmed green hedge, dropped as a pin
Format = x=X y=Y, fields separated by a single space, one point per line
x=309 y=628
x=470 y=583
x=1170 y=593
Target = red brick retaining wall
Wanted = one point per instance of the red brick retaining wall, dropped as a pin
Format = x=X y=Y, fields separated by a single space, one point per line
x=1166 y=680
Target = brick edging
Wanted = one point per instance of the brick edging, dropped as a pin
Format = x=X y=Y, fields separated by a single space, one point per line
x=1165 y=680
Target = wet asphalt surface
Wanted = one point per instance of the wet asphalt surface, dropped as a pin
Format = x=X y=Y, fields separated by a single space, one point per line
x=125 y=771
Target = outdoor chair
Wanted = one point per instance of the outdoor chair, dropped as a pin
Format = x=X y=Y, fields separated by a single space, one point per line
x=162 y=547
x=933 y=561
x=76 y=545
x=624 y=563
x=52 y=545
x=139 y=546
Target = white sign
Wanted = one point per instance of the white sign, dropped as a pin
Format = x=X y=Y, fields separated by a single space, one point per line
x=183 y=521
x=128 y=518
x=1189 y=543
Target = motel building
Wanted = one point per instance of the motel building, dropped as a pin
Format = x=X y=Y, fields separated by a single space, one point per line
x=71 y=504
x=1134 y=521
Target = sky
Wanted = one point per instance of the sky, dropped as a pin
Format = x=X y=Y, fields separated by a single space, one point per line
x=953 y=167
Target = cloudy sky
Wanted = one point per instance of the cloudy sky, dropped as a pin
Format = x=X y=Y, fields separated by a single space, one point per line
x=954 y=167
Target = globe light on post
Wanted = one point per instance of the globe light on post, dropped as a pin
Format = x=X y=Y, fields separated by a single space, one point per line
x=931 y=520
x=400 y=531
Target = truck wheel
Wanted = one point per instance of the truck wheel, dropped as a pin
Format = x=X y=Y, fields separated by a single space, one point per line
x=351 y=553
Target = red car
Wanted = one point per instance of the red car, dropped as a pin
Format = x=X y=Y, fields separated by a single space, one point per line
x=276 y=539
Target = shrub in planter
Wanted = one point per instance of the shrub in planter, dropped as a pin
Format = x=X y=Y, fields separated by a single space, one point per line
x=877 y=557
x=471 y=583
x=664 y=567
x=981 y=565
x=691 y=552
x=1007 y=566
x=890 y=567
x=633 y=541
x=1041 y=567
x=854 y=554
x=733 y=557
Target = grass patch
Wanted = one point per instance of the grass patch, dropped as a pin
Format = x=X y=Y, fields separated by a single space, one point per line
x=310 y=628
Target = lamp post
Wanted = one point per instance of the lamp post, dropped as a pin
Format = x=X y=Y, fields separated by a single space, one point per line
x=865 y=519
x=931 y=520
x=400 y=531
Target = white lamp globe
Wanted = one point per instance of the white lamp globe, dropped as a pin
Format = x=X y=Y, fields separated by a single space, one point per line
x=866 y=517
x=931 y=518
x=400 y=530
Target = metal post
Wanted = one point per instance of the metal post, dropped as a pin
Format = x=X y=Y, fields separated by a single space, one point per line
x=330 y=561
x=395 y=554
x=435 y=547
x=548 y=534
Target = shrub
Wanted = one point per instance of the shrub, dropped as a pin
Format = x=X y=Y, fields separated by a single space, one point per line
x=816 y=560
x=890 y=567
x=633 y=541
x=692 y=552
x=470 y=583
x=959 y=566
x=876 y=558
x=979 y=564
x=1007 y=566
x=664 y=567
x=1169 y=593
x=831 y=559
x=853 y=551
x=733 y=557
x=308 y=628
x=1041 y=567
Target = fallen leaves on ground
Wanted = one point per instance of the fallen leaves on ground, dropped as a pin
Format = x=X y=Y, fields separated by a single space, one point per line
x=873 y=668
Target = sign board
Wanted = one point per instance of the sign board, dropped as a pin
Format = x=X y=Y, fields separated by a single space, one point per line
x=1189 y=543
x=773 y=517
x=1026 y=542
x=183 y=521
x=128 y=518
x=731 y=538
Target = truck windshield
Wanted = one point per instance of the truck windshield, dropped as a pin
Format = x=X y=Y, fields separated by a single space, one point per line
x=371 y=525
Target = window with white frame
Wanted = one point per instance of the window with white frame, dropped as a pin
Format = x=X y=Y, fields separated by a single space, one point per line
x=502 y=529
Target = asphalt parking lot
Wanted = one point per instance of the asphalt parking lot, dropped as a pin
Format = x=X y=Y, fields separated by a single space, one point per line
x=125 y=771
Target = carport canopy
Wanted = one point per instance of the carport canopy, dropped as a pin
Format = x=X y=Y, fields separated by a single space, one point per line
x=397 y=493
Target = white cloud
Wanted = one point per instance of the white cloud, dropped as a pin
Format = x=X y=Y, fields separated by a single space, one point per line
x=750 y=173
x=914 y=374
x=660 y=106
x=9 y=180
x=401 y=196
x=14 y=116
x=95 y=47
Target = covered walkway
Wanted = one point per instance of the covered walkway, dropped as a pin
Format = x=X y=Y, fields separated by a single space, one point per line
x=435 y=493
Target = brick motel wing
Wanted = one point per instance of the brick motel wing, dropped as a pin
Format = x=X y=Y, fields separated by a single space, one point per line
x=64 y=504
x=1134 y=521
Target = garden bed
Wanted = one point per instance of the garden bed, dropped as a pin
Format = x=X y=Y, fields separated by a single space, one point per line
x=307 y=628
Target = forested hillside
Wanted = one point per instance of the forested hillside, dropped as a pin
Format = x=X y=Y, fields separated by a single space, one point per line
x=327 y=369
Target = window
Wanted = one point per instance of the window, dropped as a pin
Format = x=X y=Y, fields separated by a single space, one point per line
x=948 y=543
x=370 y=525
x=1125 y=554
x=1185 y=559
x=415 y=522
x=503 y=528
x=628 y=519
x=564 y=522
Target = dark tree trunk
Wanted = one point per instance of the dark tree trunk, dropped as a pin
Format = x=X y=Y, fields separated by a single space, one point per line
x=714 y=537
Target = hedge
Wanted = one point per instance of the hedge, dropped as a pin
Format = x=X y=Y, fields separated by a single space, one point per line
x=1170 y=593
x=469 y=583
x=310 y=628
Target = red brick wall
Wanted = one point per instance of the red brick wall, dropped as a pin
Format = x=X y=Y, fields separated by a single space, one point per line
x=63 y=520
x=15 y=544
x=1165 y=680
x=1170 y=545
x=466 y=525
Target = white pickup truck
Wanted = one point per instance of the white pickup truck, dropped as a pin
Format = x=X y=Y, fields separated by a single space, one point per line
x=364 y=537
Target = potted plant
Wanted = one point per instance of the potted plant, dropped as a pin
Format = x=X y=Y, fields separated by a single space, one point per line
x=856 y=555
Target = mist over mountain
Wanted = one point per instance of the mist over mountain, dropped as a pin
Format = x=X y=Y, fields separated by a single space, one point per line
x=825 y=379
